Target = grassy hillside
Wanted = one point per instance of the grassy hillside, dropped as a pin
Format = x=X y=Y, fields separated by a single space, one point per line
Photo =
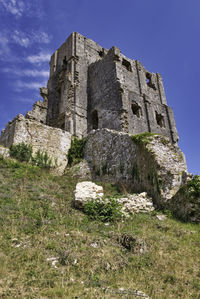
x=50 y=250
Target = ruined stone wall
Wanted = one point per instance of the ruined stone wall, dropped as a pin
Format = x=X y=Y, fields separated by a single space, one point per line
x=152 y=164
x=7 y=135
x=90 y=87
x=39 y=112
x=60 y=88
x=68 y=83
x=144 y=100
x=104 y=95
x=124 y=96
x=144 y=107
x=55 y=142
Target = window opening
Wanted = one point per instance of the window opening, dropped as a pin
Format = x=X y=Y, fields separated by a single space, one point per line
x=136 y=109
x=95 y=120
x=160 y=119
x=148 y=78
x=149 y=81
x=101 y=53
x=127 y=65
x=62 y=126
x=65 y=60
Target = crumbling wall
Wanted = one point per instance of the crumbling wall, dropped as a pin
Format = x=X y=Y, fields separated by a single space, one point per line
x=68 y=84
x=39 y=112
x=90 y=87
x=104 y=96
x=151 y=164
x=144 y=102
x=55 y=142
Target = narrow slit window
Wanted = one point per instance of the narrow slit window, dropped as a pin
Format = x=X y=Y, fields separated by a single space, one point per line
x=95 y=120
x=65 y=60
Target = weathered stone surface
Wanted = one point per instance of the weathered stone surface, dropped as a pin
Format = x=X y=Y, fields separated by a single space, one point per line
x=136 y=203
x=86 y=191
x=55 y=142
x=81 y=171
x=4 y=152
x=161 y=217
x=186 y=203
x=90 y=87
x=153 y=166
x=128 y=98
x=39 y=112
x=132 y=203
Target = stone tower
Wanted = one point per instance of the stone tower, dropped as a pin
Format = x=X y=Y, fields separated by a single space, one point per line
x=91 y=87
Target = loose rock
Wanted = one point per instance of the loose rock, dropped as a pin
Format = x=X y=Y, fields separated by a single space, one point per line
x=86 y=191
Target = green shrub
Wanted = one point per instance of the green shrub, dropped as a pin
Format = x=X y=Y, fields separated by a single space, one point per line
x=75 y=153
x=104 y=210
x=21 y=152
x=143 y=138
x=42 y=159
x=194 y=186
x=24 y=153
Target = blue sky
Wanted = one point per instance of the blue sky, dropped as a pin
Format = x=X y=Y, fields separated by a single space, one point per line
x=163 y=34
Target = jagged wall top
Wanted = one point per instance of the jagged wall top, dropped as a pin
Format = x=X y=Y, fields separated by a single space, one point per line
x=90 y=87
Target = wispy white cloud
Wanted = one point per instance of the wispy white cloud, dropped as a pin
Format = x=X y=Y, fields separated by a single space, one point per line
x=25 y=100
x=4 y=44
x=8 y=39
x=35 y=73
x=20 y=85
x=15 y=7
x=41 y=37
x=21 y=39
x=41 y=57
x=27 y=39
x=18 y=8
x=25 y=72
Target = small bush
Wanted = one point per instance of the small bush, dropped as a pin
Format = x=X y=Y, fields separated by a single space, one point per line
x=104 y=210
x=21 y=152
x=24 y=153
x=194 y=186
x=75 y=153
x=143 y=138
x=42 y=159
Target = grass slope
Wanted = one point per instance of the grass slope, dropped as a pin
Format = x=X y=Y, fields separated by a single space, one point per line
x=50 y=250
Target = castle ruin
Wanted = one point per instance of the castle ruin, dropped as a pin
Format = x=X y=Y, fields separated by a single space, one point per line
x=91 y=88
